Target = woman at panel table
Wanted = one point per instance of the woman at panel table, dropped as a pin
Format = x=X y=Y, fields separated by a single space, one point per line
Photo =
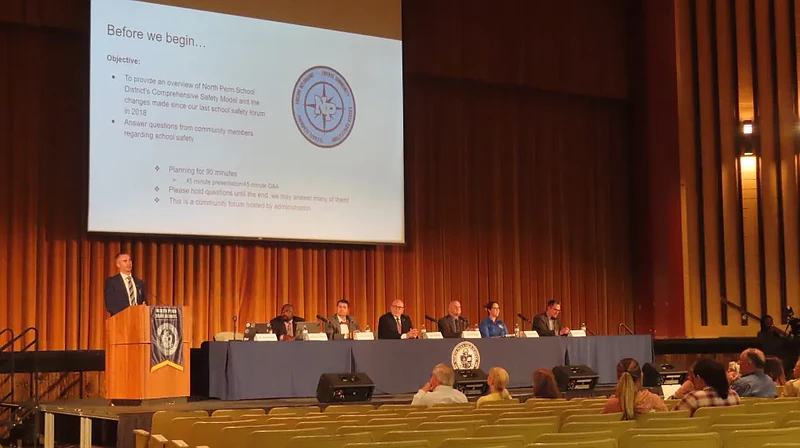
x=493 y=326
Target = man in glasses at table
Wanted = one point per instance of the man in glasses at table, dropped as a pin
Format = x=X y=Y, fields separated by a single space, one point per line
x=395 y=324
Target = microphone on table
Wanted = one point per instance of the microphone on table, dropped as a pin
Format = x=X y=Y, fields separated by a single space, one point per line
x=429 y=318
x=524 y=319
x=322 y=318
x=235 y=325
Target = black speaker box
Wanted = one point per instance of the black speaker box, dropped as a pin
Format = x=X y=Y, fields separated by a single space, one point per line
x=471 y=383
x=575 y=378
x=662 y=374
x=344 y=388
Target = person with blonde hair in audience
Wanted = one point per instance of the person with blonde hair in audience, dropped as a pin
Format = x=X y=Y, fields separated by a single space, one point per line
x=544 y=384
x=711 y=388
x=439 y=389
x=497 y=381
x=630 y=398
x=792 y=388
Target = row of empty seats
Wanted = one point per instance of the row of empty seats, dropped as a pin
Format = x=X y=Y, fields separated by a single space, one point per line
x=539 y=423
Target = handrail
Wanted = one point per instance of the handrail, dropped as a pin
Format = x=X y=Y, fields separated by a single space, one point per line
x=34 y=374
x=622 y=326
x=10 y=344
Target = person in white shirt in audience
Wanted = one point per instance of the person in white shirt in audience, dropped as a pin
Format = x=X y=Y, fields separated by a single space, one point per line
x=439 y=389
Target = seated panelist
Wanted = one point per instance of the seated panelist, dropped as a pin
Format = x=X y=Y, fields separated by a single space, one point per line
x=341 y=322
x=492 y=326
x=284 y=326
x=395 y=324
x=548 y=323
x=453 y=324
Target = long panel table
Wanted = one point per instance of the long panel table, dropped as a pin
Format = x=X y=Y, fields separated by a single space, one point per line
x=242 y=370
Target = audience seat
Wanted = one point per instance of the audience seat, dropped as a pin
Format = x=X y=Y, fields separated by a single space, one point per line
x=412 y=422
x=592 y=418
x=329 y=440
x=615 y=427
x=159 y=422
x=729 y=419
x=576 y=437
x=625 y=439
x=529 y=432
x=702 y=422
x=751 y=438
x=233 y=414
x=397 y=444
x=296 y=410
x=714 y=412
x=697 y=440
x=330 y=426
x=781 y=407
x=278 y=438
x=663 y=414
x=236 y=436
x=724 y=429
x=528 y=420
x=469 y=425
x=375 y=431
x=348 y=409
x=605 y=443
x=484 y=442
x=434 y=437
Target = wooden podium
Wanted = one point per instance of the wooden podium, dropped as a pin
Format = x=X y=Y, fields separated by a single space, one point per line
x=128 y=375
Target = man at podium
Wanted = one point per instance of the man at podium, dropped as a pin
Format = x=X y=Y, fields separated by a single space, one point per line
x=123 y=289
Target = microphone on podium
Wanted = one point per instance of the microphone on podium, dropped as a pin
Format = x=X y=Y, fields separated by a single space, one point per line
x=525 y=319
x=156 y=303
x=322 y=318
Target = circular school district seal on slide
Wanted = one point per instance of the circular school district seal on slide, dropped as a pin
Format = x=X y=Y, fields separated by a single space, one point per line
x=465 y=356
x=323 y=106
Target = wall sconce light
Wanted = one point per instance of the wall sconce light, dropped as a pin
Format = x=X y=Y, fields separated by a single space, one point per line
x=747 y=127
x=747 y=143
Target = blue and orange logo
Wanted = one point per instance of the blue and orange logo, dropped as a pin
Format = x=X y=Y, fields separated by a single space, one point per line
x=323 y=106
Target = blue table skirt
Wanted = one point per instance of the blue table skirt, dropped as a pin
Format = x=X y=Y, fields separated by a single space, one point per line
x=242 y=370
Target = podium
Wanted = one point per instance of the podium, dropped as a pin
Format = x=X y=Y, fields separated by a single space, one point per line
x=129 y=371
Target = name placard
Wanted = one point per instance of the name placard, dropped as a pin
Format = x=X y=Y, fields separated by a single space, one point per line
x=315 y=337
x=265 y=337
x=364 y=336
x=432 y=335
x=471 y=334
x=529 y=334
x=577 y=333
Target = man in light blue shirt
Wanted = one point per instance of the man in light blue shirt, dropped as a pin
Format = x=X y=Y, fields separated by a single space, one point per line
x=492 y=326
x=753 y=382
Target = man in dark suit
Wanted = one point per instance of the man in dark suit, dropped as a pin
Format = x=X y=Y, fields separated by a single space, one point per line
x=284 y=325
x=395 y=324
x=453 y=324
x=123 y=289
x=548 y=323
x=342 y=322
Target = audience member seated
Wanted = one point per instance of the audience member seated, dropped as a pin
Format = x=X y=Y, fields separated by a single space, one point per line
x=493 y=326
x=753 y=382
x=711 y=388
x=773 y=367
x=630 y=398
x=439 y=389
x=792 y=388
x=544 y=384
x=497 y=379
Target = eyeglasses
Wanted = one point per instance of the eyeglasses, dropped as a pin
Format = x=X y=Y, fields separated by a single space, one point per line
x=398 y=307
